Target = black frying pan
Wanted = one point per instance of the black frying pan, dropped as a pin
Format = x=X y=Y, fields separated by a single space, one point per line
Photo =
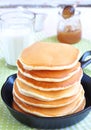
x=84 y=62
x=49 y=122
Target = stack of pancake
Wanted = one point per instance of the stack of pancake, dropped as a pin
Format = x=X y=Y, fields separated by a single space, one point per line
x=48 y=81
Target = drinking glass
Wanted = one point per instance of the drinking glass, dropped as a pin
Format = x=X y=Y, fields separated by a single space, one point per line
x=16 y=29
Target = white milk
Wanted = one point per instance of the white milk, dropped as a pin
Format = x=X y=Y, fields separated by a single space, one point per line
x=13 y=41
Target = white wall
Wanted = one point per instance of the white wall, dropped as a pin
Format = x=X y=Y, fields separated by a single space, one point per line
x=42 y=2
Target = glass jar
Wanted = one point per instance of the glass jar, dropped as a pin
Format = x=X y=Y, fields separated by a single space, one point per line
x=15 y=31
x=69 y=30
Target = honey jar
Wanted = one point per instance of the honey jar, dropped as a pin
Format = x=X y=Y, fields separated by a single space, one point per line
x=69 y=30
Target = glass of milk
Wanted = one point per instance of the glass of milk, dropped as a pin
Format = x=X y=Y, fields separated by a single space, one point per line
x=16 y=32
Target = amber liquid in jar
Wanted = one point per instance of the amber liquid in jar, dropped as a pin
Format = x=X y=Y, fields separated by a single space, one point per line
x=69 y=36
x=69 y=30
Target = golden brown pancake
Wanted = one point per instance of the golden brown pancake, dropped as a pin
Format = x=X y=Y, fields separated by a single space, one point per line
x=49 y=56
x=15 y=106
x=49 y=75
x=49 y=112
x=46 y=104
x=46 y=95
x=48 y=86
x=81 y=107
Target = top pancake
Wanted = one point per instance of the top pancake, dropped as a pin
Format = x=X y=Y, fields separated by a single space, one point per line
x=49 y=56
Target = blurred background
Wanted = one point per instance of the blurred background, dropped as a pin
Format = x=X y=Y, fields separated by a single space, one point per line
x=41 y=3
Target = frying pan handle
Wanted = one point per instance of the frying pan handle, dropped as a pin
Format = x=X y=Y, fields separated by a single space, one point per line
x=83 y=60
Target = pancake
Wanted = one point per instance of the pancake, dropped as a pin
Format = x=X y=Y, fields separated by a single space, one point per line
x=49 y=75
x=49 y=112
x=51 y=86
x=46 y=104
x=47 y=95
x=81 y=107
x=49 y=56
x=16 y=107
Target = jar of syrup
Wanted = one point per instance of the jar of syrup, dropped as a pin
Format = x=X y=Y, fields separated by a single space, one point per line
x=69 y=30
